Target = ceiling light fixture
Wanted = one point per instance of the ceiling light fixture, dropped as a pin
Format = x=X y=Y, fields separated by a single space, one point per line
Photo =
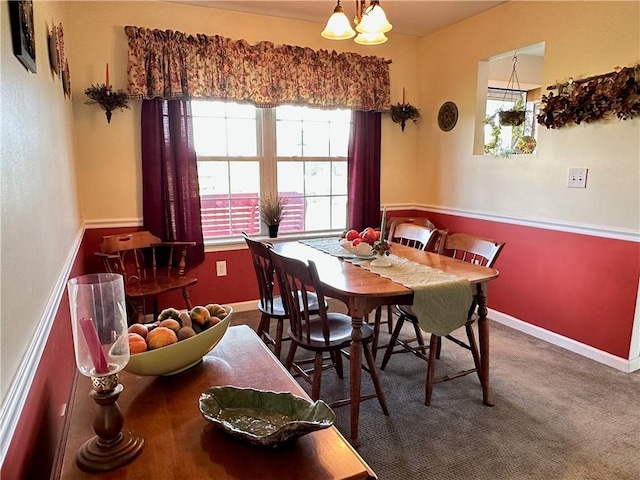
x=371 y=24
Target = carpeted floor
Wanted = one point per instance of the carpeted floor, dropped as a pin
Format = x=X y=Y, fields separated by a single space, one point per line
x=557 y=415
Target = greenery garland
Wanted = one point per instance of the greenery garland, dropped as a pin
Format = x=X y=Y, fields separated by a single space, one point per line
x=400 y=113
x=592 y=99
x=108 y=99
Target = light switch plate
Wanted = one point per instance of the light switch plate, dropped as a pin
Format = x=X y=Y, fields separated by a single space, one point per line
x=577 y=178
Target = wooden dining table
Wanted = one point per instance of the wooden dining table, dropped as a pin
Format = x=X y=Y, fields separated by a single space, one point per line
x=362 y=291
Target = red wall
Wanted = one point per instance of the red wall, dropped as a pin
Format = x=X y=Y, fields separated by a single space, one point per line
x=579 y=286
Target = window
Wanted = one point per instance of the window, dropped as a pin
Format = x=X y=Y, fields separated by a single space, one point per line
x=299 y=153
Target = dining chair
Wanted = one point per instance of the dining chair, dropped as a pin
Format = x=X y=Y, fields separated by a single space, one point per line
x=269 y=304
x=468 y=248
x=324 y=333
x=419 y=235
x=149 y=266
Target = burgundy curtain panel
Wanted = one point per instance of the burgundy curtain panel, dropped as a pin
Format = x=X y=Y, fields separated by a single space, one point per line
x=363 y=165
x=170 y=192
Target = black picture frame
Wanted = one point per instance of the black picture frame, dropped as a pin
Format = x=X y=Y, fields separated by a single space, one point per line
x=23 y=32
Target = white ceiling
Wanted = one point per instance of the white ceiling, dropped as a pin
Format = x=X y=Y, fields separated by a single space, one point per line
x=408 y=17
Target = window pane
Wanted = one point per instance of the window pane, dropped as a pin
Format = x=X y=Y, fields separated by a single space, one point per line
x=291 y=178
x=339 y=138
x=288 y=112
x=289 y=138
x=224 y=129
x=209 y=136
x=245 y=177
x=213 y=178
x=316 y=139
x=229 y=194
x=240 y=110
x=339 y=213
x=293 y=217
x=316 y=217
x=317 y=178
x=315 y=115
x=339 y=178
x=241 y=138
x=208 y=109
x=342 y=116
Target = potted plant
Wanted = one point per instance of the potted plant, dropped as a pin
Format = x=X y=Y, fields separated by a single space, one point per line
x=272 y=211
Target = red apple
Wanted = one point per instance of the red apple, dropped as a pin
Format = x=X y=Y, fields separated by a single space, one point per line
x=352 y=235
x=356 y=241
x=369 y=237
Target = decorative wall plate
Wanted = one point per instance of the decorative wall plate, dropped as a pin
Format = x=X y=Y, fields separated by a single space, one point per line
x=54 y=52
x=66 y=80
x=447 y=116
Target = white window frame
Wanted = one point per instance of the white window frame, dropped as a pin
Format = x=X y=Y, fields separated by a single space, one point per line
x=268 y=161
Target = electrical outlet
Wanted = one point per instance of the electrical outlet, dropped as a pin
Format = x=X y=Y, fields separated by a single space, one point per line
x=221 y=268
x=577 y=178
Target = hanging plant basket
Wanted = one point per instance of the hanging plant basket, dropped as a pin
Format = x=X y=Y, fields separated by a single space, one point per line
x=511 y=118
x=526 y=144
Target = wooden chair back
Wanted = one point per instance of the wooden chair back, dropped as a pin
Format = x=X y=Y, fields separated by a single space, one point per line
x=261 y=260
x=395 y=221
x=150 y=267
x=141 y=255
x=301 y=290
x=412 y=235
x=472 y=249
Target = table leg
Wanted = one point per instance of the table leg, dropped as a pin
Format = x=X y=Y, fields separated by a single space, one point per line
x=483 y=334
x=355 y=362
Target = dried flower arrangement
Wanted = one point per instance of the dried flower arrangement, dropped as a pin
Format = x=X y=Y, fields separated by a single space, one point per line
x=591 y=99
x=272 y=209
x=108 y=99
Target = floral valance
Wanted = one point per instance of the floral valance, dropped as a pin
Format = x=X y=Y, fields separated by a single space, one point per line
x=168 y=64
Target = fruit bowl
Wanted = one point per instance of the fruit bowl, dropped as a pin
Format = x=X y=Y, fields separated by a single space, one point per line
x=363 y=249
x=179 y=356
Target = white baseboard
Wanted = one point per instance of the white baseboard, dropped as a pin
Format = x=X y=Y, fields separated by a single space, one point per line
x=566 y=343
x=245 y=306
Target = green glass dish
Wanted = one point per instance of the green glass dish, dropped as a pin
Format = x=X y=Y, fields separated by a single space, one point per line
x=264 y=418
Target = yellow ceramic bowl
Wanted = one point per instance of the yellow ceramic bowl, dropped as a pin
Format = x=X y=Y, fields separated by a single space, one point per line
x=179 y=356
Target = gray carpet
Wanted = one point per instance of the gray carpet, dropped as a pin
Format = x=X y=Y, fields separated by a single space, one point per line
x=557 y=415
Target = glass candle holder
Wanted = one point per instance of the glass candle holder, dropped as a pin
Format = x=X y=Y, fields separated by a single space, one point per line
x=99 y=320
x=100 y=338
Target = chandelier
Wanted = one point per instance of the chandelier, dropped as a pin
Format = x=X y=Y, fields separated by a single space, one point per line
x=371 y=24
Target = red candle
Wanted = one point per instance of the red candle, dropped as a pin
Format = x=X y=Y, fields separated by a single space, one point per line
x=107 y=83
x=403 y=99
x=93 y=344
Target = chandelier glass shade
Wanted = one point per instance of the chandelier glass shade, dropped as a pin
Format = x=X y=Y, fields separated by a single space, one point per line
x=371 y=24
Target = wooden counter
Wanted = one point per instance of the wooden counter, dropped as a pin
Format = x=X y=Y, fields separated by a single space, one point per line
x=181 y=444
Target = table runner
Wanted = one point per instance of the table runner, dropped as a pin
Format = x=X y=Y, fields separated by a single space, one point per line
x=441 y=300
